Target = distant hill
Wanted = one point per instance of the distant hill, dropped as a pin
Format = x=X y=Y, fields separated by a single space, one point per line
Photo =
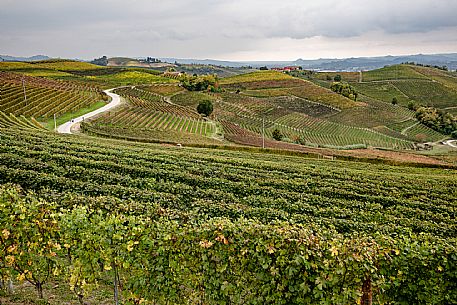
x=329 y=64
x=32 y=58
x=132 y=62
x=323 y=64
x=371 y=63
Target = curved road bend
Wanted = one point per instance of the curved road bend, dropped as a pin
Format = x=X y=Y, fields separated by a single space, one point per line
x=116 y=101
x=452 y=143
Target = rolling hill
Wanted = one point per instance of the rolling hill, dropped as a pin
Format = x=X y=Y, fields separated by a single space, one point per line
x=339 y=207
x=249 y=110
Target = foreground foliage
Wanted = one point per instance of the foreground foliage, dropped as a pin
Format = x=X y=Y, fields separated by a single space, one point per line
x=220 y=261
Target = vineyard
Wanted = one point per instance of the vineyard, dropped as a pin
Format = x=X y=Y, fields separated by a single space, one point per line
x=148 y=116
x=165 y=90
x=392 y=73
x=408 y=84
x=255 y=77
x=41 y=97
x=421 y=133
x=138 y=117
x=428 y=93
x=169 y=225
x=307 y=113
x=254 y=114
x=7 y=121
x=374 y=113
x=56 y=65
x=128 y=77
x=191 y=99
x=383 y=91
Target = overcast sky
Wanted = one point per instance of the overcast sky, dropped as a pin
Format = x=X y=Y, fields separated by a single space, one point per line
x=227 y=29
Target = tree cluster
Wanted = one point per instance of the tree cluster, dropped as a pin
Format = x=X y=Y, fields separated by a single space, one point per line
x=437 y=119
x=153 y=60
x=200 y=83
x=344 y=89
x=302 y=73
x=444 y=68
x=102 y=61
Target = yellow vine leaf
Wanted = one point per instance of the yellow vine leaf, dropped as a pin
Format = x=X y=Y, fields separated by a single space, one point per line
x=206 y=244
x=5 y=233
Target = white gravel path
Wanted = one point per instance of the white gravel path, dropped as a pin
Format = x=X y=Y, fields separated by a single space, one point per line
x=116 y=101
x=452 y=143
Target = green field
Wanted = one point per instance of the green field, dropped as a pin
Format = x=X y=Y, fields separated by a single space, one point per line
x=182 y=225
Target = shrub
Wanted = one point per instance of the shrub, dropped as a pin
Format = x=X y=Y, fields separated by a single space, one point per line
x=277 y=135
x=412 y=106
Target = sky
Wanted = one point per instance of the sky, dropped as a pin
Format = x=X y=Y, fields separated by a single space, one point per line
x=238 y=30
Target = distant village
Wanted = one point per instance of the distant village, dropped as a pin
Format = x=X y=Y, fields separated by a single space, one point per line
x=287 y=69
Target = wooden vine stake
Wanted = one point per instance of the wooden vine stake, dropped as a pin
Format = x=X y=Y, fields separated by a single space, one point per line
x=367 y=292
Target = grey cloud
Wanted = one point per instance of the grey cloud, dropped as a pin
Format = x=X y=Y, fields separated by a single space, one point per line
x=206 y=27
x=347 y=18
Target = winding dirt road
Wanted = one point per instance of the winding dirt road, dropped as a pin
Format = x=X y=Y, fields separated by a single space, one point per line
x=116 y=101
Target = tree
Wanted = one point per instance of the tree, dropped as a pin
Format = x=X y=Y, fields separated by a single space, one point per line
x=328 y=77
x=337 y=78
x=205 y=107
x=264 y=68
x=394 y=101
x=277 y=135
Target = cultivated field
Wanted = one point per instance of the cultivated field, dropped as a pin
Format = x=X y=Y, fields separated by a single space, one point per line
x=181 y=225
